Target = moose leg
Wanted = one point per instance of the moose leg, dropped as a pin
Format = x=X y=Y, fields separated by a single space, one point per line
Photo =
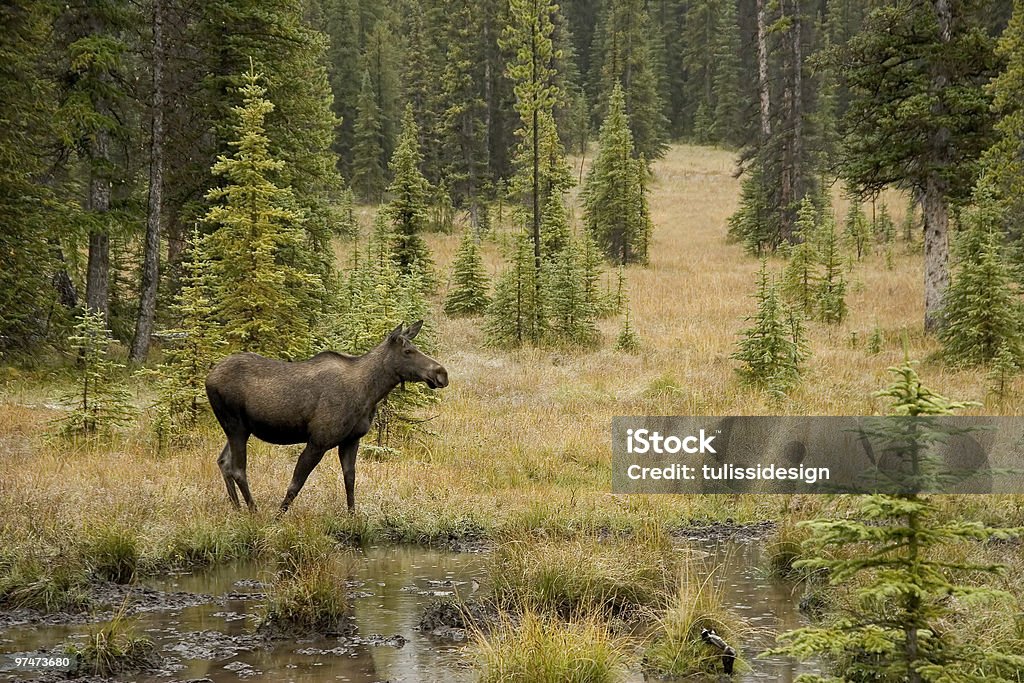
x=310 y=458
x=224 y=461
x=347 y=456
x=239 y=457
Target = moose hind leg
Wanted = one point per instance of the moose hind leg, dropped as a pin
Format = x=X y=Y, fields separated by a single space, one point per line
x=310 y=458
x=238 y=465
x=224 y=461
x=347 y=456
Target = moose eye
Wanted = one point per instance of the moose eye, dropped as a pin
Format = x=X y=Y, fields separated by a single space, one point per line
x=407 y=351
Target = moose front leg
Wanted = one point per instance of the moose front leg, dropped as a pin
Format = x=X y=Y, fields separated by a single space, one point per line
x=310 y=458
x=347 y=456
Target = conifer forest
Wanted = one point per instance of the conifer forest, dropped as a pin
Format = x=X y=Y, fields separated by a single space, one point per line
x=464 y=236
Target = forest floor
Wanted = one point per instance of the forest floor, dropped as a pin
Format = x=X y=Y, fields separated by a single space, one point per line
x=518 y=445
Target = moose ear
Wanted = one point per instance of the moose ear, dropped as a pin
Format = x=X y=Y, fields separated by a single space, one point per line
x=395 y=333
x=413 y=330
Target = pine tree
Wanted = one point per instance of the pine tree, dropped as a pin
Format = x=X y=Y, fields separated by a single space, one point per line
x=28 y=239
x=800 y=279
x=100 y=403
x=571 y=317
x=1003 y=162
x=528 y=38
x=730 y=123
x=922 y=53
x=1005 y=367
x=831 y=296
x=614 y=195
x=982 y=309
x=468 y=295
x=555 y=234
x=857 y=229
x=628 y=340
x=772 y=350
x=368 y=151
x=884 y=228
x=380 y=60
x=375 y=293
x=407 y=205
x=191 y=350
x=624 y=57
x=755 y=223
x=893 y=553
x=266 y=289
x=518 y=311
x=592 y=262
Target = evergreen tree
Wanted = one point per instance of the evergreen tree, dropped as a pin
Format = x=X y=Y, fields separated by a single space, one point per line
x=380 y=61
x=755 y=223
x=555 y=234
x=938 y=57
x=884 y=228
x=1003 y=162
x=728 y=88
x=614 y=195
x=407 y=203
x=528 y=39
x=518 y=311
x=1005 y=368
x=900 y=571
x=266 y=288
x=800 y=279
x=339 y=21
x=831 y=297
x=700 y=31
x=857 y=229
x=982 y=310
x=375 y=293
x=191 y=350
x=368 y=152
x=571 y=317
x=28 y=238
x=624 y=58
x=772 y=350
x=628 y=340
x=100 y=403
x=468 y=295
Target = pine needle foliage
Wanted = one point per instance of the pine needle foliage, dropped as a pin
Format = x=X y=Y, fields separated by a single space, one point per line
x=518 y=311
x=190 y=350
x=265 y=283
x=894 y=554
x=100 y=401
x=407 y=208
x=368 y=152
x=1005 y=368
x=375 y=295
x=572 y=317
x=884 y=227
x=831 y=296
x=857 y=229
x=982 y=309
x=468 y=295
x=772 y=349
x=614 y=196
x=800 y=278
x=628 y=340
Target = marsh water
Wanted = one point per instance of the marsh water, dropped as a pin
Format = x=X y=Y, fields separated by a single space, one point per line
x=211 y=636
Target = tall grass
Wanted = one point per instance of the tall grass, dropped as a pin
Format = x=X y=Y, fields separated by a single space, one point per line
x=581 y=578
x=676 y=648
x=114 y=648
x=539 y=649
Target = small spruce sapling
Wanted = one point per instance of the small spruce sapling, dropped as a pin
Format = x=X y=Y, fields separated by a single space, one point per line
x=100 y=401
x=468 y=295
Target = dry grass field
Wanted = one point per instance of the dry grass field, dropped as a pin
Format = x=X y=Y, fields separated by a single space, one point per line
x=520 y=440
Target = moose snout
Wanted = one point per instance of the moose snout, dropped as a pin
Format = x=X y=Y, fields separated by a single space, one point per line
x=440 y=377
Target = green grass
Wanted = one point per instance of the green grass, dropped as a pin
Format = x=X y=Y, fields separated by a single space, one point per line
x=538 y=649
x=111 y=553
x=49 y=584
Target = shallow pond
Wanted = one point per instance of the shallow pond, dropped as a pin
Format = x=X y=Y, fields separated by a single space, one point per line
x=208 y=633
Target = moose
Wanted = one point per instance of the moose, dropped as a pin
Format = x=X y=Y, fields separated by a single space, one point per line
x=325 y=402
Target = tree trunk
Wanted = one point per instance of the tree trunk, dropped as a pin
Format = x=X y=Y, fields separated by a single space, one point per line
x=936 y=250
x=97 y=283
x=762 y=69
x=151 y=255
x=934 y=201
